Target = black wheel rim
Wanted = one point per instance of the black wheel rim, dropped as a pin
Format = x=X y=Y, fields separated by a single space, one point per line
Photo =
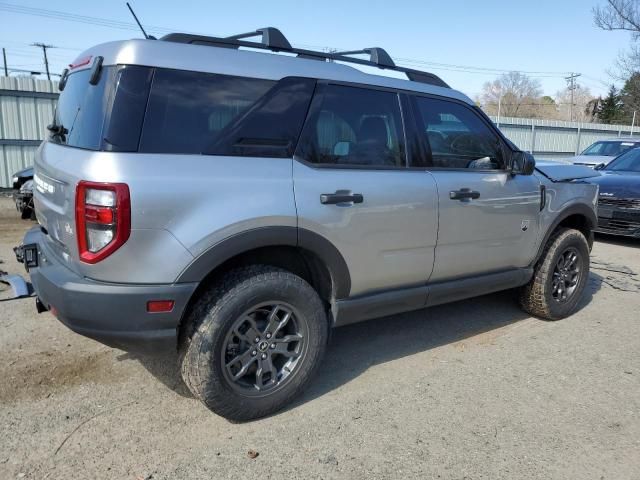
x=566 y=275
x=263 y=349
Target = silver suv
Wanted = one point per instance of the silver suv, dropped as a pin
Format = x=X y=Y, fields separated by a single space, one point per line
x=600 y=153
x=236 y=204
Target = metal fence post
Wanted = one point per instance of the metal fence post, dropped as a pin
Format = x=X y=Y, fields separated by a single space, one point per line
x=533 y=138
x=578 y=138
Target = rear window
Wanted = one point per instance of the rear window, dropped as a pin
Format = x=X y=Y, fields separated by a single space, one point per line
x=81 y=109
x=142 y=109
x=105 y=116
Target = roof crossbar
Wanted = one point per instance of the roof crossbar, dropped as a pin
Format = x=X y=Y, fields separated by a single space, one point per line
x=378 y=55
x=271 y=37
x=273 y=40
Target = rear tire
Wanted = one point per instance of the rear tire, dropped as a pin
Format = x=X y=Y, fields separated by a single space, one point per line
x=559 y=278
x=253 y=341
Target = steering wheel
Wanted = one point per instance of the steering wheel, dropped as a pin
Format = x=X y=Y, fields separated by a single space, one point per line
x=466 y=144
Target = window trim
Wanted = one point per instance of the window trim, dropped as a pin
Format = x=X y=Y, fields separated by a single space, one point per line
x=504 y=146
x=314 y=109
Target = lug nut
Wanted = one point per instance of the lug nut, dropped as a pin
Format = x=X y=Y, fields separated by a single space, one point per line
x=263 y=356
x=254 y=353
x=273 y=345
x=257 y=339
x=268 y=335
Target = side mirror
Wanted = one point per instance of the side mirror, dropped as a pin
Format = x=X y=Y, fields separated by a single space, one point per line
x=599 y=166
x=522 y=163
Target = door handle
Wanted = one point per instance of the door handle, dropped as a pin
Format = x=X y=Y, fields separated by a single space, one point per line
x=341 y=196
x=464 y=194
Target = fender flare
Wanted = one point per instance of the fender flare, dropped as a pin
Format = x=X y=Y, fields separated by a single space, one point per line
x=575 y=209
x=272 y=236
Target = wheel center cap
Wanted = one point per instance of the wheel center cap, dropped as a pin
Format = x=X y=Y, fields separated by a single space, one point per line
x=263 y=346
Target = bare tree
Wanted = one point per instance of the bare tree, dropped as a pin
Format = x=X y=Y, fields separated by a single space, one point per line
x=513 y=93
x=622 y=15
x=619 y=15
x=581 y=99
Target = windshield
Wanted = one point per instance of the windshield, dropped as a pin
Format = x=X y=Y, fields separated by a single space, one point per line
x=628 y=162
x=608 y=149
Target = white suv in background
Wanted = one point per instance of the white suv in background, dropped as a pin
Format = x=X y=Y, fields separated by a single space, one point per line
x=603 y=151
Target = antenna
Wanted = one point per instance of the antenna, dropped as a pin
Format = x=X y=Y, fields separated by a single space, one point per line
x=148 y=37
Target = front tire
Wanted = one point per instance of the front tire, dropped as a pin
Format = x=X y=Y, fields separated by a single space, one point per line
x=253 y=342
x=559 y=278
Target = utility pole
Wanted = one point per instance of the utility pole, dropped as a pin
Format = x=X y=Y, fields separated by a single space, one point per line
x=572 y=86
x=44 y=51
x=4 y=58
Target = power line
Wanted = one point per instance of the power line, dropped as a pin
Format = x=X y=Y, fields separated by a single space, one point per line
x=41 y=12
x=116 y=24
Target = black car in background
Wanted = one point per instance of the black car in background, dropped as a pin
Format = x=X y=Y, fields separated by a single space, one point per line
x=23 y=194
x=619 y=199
x=22 y=177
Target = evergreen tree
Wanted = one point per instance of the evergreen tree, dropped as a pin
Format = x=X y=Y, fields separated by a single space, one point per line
x=630 y=96
x=610 y=108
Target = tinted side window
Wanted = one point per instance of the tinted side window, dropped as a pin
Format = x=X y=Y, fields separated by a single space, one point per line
x=354 y=126
x=271 y=127
x=457 y=136
x=187 y=111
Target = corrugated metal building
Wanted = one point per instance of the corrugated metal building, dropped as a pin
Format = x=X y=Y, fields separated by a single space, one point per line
x=26 y=108
x=554 y=138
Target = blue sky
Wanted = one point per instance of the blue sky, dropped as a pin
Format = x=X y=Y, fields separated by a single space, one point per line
x=540 y=36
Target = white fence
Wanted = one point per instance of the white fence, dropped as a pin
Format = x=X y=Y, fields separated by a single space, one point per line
x=27 y=105
x=26 y=108
x=556 y=139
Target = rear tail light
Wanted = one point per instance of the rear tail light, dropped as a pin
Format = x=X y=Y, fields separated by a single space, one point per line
x=103 y=219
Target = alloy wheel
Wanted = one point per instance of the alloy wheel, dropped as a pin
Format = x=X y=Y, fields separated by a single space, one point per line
x=566 y=275
x=263 y=348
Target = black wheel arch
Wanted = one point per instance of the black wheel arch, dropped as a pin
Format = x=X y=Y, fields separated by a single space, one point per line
x=269 y=239
x=578 y=216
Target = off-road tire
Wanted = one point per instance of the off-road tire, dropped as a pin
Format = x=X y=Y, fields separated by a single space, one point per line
x=536 y=296
x=202 y=339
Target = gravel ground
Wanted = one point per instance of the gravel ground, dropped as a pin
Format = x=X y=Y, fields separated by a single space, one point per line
x=475 y=389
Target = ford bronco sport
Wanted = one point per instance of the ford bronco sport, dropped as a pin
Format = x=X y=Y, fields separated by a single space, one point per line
x=211 y=196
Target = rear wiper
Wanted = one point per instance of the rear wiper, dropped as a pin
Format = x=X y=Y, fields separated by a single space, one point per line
x=57 y=130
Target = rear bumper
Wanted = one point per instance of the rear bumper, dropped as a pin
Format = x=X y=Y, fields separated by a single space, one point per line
x=113 y=314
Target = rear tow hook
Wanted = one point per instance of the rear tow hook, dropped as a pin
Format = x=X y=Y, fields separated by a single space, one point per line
x=40 y=307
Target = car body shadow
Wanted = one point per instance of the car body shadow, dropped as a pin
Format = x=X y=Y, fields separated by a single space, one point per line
x=618 y=240
x=353 y=349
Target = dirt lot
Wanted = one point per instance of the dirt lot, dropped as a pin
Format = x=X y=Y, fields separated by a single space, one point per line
x=476 y=389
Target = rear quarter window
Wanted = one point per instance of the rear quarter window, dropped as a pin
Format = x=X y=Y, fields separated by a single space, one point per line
x=201 y=113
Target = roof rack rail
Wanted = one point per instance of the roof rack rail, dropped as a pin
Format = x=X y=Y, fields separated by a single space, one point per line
x=273 y=40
